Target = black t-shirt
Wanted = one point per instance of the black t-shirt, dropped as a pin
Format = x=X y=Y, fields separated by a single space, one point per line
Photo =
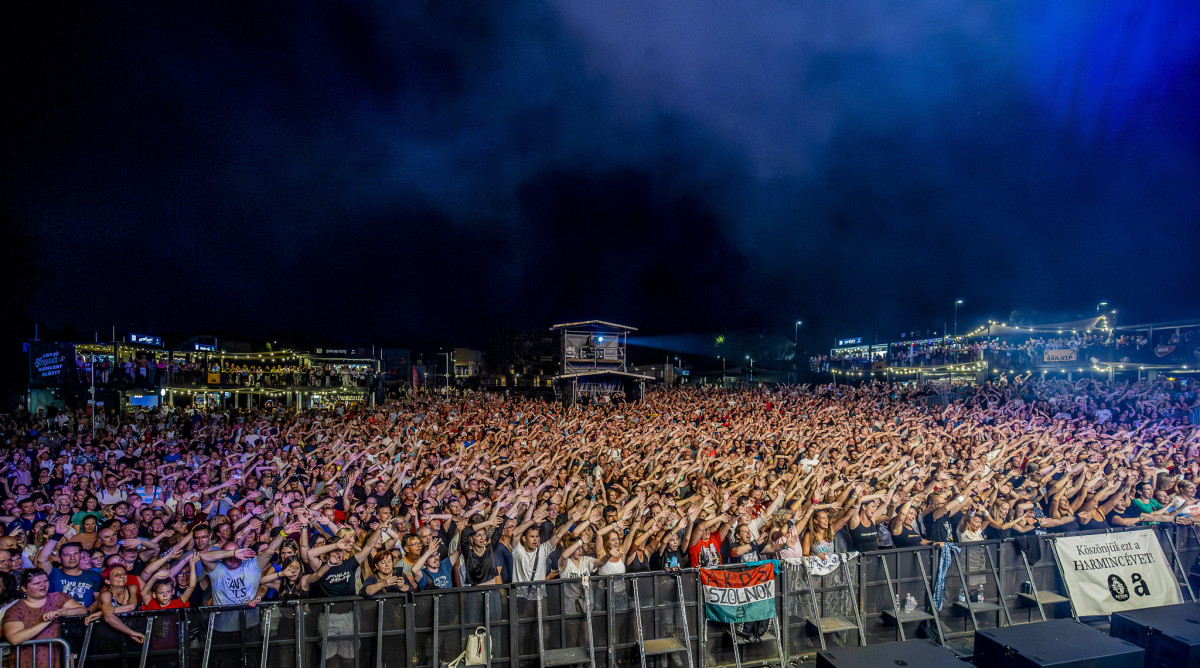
x=338 y=580
x=752 y=555
x=357 y=492
x=670 y=559
x=384 y=499
x=1131 y=512
x=546 y=529
x=866 y=537
x=906 y=537
x=940 y=530
x=446 y=534
x=481 y=569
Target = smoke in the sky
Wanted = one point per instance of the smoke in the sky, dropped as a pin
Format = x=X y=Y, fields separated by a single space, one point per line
x=390 y=171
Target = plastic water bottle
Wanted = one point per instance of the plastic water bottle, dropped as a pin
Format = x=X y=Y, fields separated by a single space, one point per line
x=897 y=597
x=979 y=595
x=962 y=595
x=910 y=603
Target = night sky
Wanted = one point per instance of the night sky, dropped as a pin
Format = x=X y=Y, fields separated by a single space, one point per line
x=420 y=173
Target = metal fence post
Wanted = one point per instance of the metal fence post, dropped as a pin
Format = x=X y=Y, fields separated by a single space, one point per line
x=181 y=636
x=299 y=641
x=1183 y=574
x=436 y=601
x=410 y=632
x=208 y=637
x=146 y=643
x=702 y=623
x=378 y=632
x=608 y=609
x=514 y=646
x=783 y=629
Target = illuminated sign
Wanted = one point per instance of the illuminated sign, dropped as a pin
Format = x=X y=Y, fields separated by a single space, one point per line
x=204 y=347
x=850 y=342
x=343 y=352
x=50 y=365
x=146 y=340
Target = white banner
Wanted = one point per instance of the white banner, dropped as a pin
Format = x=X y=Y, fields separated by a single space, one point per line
x=818 y=566
x=1108 y=573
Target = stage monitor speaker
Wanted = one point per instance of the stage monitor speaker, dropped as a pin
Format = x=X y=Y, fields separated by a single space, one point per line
x=1059 y=643
x=1170 y=634
x=915 y=653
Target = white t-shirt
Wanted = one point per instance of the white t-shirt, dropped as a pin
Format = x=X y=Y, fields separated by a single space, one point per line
x=236 y=587
x=585 y=566
x=756 y=526
x=106 y=498
x=529 y=566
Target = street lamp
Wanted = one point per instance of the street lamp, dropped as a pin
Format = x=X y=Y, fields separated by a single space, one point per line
x=957 y=303
x=1100 y=306
x=796 y=350
x=447 y=374
x=751 y=367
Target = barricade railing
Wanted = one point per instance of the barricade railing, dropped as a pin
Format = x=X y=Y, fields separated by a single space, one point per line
x=47 y=653
x=631 y=619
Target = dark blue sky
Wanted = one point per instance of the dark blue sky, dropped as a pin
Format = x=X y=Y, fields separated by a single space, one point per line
x=421 y=172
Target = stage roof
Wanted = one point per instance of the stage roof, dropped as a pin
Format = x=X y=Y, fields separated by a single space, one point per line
x=595 y=323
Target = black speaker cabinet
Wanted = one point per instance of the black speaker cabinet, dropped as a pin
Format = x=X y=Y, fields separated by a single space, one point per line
x=915 y=653
x=1059 y=643
x=1169 y=633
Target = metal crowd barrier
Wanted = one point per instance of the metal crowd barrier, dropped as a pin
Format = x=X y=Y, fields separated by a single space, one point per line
x=48 y=653
x=638 y=619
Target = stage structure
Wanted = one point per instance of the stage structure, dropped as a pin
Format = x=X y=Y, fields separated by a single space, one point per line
x=594 y=366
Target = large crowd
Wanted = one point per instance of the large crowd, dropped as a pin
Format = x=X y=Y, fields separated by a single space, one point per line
x=178 y=507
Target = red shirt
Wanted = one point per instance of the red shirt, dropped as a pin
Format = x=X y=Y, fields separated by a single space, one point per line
x=713 y=551
x=174 y=604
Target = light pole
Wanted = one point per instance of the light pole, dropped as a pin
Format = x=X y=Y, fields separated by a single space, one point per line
x=957 y=303
x=1100 y=306
x=751 y=367
x=722 y=370
x=796 y=349
x=447 y=373
x=93 y=393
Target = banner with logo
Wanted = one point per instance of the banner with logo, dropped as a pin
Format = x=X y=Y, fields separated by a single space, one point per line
x=1107 y=573
x=1061 y=355
x=739 y=596
x=818 y=566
